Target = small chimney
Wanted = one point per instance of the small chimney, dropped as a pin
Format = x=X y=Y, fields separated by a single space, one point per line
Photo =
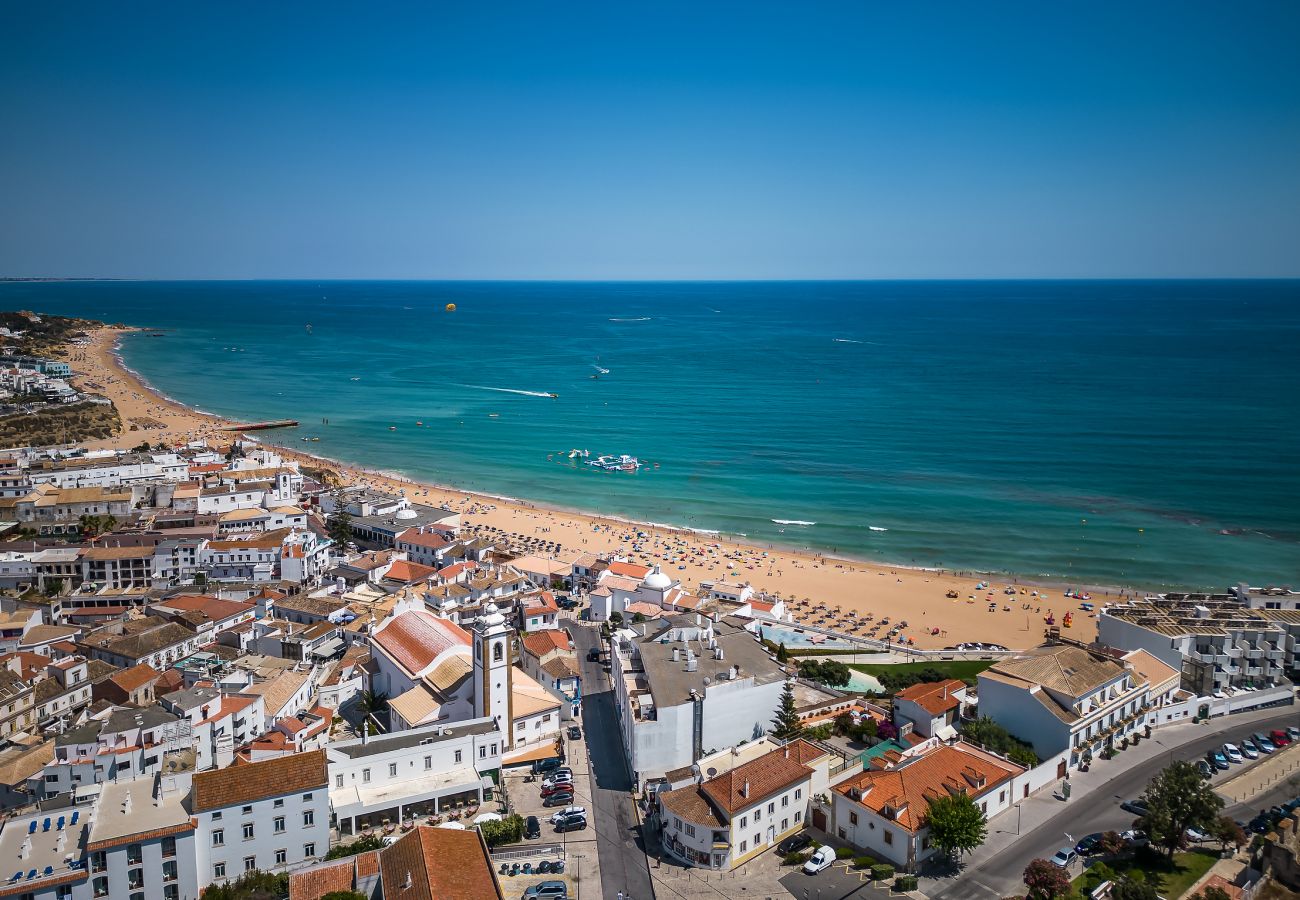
x=406 y=885
x=676 y=654
x=787 y=751
x=744 y=790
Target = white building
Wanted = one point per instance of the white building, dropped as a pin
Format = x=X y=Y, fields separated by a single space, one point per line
x=424 y=664
x=411 y=773
x=271 y=815
x=883 y=813
x=1068 y=697
x=685 y=686
x=728 y=819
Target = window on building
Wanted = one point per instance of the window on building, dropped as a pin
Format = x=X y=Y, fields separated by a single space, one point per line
x=338 y=780
x=219 y=838
x=889 y=837
x=428 y=762
x=797 y=817
x=308 y=818
x=134 y=854
x=171 y=892
x=247 y=810
x=494 y=748
x=744 y=820
x=169 y=870
x=248 y=831
x=365 y=776
x=925 y=842
x=743 y=846
x=308 y=850
x=100 y=886
x=785 y=801
x=798 y=793
x=690 y=830
x=459 y=754
x=98 y=861
x=785 y=824
x=771 y=808
x=216 y=816
x=853 y=818
x=168 y=847
x=392 y=770
x=218 y=870
x=278 y=824
x=281 y=856
x=250 y=863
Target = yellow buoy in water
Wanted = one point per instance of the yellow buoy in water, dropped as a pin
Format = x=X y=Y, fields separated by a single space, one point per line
x=451 y=307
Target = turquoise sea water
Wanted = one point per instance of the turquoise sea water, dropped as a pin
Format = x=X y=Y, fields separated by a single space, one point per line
x=1140 y=433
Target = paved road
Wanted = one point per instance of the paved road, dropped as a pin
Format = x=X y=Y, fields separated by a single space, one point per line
x=622 y=857
x=1001 y=875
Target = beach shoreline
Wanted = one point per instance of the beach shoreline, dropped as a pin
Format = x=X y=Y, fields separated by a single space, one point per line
x=881 y=590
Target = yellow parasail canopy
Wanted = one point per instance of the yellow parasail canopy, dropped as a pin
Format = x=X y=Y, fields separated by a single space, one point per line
x=451 y=307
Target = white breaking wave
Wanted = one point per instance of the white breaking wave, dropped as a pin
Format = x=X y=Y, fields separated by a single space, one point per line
x=792 y=522
x=846 y=341
x=509 y=391
x=876 y=528
x=641 y=319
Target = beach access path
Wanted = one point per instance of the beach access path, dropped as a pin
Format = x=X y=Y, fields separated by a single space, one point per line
x=881 y=590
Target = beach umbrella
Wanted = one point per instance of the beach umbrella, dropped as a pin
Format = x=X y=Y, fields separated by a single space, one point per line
x=487 y=817
x=454 y=826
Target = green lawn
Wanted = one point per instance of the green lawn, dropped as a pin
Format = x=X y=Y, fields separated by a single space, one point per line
x=953 y=668
x=1171 y=881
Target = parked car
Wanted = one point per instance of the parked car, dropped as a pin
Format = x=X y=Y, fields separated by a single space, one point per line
x=571 y=823
x=1206 y=770
x=1231 y=751
x=1089 y=844
x=1249 y=750
x=1279 y=737
x=575 y=733
x=1293 y=732
x=564 y=787
x=568 y=811
x=557 y=778
x=793 y=844
x=1195 y=835
x=593 y=655
x=559 y=798
x=548 y=890
x=542 y=766
x=1217 y=758
x=1135 y=837
x=821 y=859
x=1263 y=743
x=532 y=827
x=1064 y=857
x=1136 y=807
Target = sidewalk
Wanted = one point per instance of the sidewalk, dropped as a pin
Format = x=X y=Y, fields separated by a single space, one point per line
x=1006 y=828
x=1263 y=775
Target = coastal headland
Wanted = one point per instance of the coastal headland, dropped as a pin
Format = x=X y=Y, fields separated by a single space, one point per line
x=922 y=598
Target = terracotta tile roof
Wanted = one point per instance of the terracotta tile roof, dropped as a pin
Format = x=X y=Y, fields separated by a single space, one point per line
x=415 y=638
x=455 y=569
x=260 y=780
x=135 y=677
x=406 y=572
x=441 y=864
x=629 y=570
x=367 y=863
x=903 y=793
x=540 y=643
x=543 y=601
x=937 y=697
x=691 y=805
x=527 y=697
x=319 y=880
x=805 y=752
x=214 y=608
x=766 y=775
x=562 y=667
x=1156 y=672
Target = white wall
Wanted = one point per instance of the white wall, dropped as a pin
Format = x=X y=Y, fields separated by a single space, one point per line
x=296 y=839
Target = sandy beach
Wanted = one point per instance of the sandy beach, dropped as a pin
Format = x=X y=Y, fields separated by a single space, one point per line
x=843 y=586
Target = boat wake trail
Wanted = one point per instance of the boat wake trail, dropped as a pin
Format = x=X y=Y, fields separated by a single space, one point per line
x=600 y=369
x=641 y=319
x=876 y=528
x=510 y=391
x=792 y=522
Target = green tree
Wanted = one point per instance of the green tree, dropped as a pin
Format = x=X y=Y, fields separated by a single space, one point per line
x=781 y=655
x=338 y=525
x=1133 y=886
x=786 y=724
x=830 y=672
x=1179 y=799
x=616 y=619
x=1045 y=880
x=638 y=618
x=957 y=825
x=360 y=845
x=509 y=830
x=844 y=724
x=992 y=736
x=1227 y=831
x=1111 y=843
x=370 y=703
x=254 y=885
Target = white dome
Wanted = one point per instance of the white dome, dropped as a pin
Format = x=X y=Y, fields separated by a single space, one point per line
x=492 y=616
x=406 y=513
x=657 y=580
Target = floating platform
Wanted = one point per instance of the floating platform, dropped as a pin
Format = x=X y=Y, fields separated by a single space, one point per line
x=262 y=426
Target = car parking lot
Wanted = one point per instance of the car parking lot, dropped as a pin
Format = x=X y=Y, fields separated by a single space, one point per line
x=577 y=847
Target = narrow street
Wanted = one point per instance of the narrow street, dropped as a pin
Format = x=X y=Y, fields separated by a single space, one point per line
x=618 y=840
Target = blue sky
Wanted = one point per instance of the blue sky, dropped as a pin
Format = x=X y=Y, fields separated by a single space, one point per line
x=650 y=140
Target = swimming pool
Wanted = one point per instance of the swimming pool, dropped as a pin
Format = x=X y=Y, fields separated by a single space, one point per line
x=861 y=681
x=781 y=634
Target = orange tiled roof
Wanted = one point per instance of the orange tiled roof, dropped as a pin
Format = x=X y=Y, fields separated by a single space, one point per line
x=135 y=677
x=406 y=572
x=936 y=698
x=540 y=643
x=272 y=778
x=416 y=638
x=903 y=793
x=766 y=775
x=629 y=570
x=310 y=884
x=442 y=864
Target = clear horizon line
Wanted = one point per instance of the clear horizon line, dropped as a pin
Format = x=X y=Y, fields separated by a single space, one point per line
x=20 y=279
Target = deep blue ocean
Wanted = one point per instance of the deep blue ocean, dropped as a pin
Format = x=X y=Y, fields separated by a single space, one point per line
x=1135 y=433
